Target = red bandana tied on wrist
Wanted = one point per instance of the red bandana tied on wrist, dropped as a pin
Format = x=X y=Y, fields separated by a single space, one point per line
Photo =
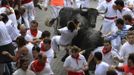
x=105 y=50
x=37 y=66
x=34 y=32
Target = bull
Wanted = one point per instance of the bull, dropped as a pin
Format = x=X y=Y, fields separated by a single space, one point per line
x=88 y=38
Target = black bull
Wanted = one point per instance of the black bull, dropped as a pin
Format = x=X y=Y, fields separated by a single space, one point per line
x=87 y=39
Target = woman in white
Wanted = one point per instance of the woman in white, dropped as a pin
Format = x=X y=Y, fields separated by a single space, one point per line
x=67 y=34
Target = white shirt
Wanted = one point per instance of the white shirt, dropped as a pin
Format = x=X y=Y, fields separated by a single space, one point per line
x=101 y=68
x=108 y=58
x=66 y=36
x=130 y=2
x=125 y=50
x=68 y=3
x=28 y=38
x=30 y=46
x=11 y=16
x=21 y=72
x=4 y=35
x=39 y=33
x=73 y=64
x=46 y=71
x=83 y=3
x=50 y=54
x=107 y=9
x=123 y=12
x=12 y=30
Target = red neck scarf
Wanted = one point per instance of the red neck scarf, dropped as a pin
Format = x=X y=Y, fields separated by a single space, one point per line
x=34 y=32
x=128 y=69
x=42 y=47
x=105 y=51
x=37 y=66
x=77 y=58
x=75 y=73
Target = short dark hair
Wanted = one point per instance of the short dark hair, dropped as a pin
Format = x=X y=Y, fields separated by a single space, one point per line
x=17 y=12
x=120 y=21
x=22 y=60
x=21 y=41
x=71 y=26
x=130 y=33
x=119 y=2
x=98 y=55
x=106 y=41
x=36 y=48
x=45 y=34
x=47 y=41
x=75 y=49
x=128 y=17
x=131 y=57
x=111 y=72
x=4 y=2
x=75 y=21
x=4 y=17
x=34 y=22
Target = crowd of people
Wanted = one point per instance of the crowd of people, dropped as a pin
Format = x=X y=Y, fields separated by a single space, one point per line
x=26 y=50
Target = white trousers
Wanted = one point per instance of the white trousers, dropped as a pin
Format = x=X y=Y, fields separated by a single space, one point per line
x=55 y=43
x=83 y=3
x=55 y=11
x=106 y=27
x=29 y=14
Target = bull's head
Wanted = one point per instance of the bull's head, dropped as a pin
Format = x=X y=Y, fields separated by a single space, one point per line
x=90 y=14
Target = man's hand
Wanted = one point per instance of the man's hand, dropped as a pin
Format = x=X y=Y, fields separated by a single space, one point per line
x=5 y=53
